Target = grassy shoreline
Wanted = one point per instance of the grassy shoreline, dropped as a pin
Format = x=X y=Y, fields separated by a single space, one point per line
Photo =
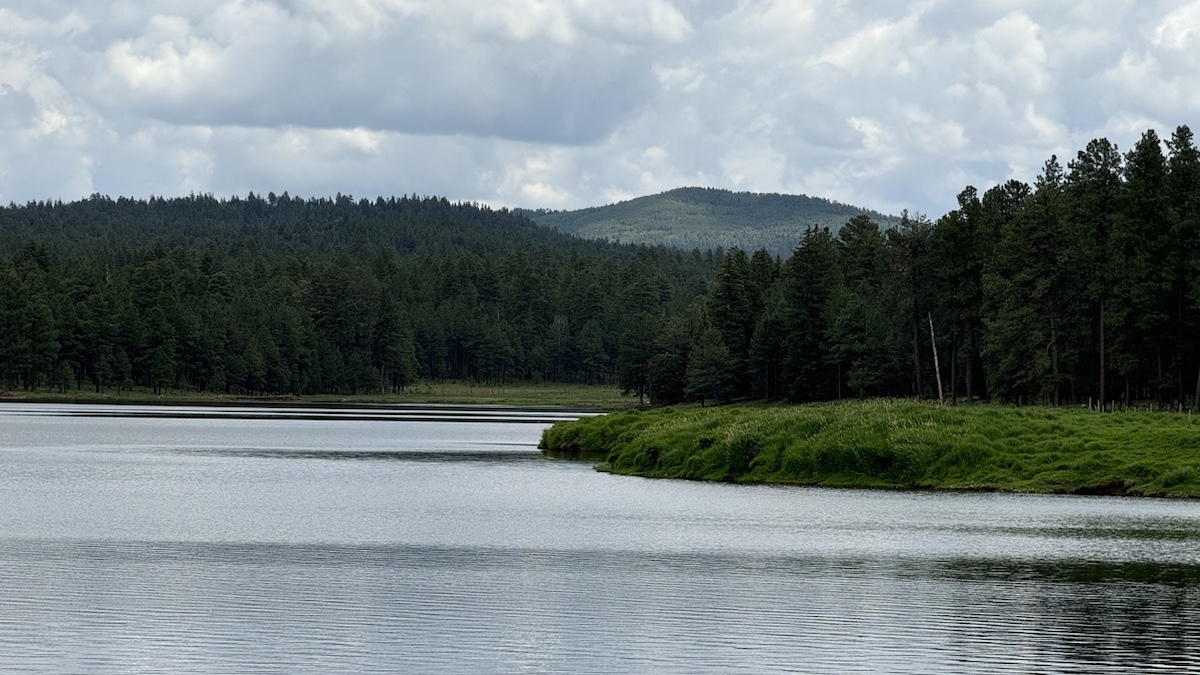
x=899 y=445
x=593 y=397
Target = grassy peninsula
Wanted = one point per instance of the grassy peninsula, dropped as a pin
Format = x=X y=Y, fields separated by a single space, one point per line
x=899 y=445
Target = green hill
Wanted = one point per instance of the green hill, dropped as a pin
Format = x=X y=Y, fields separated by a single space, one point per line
x=285 y=296
x=706 y=218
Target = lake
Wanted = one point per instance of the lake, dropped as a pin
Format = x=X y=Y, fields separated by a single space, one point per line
x=438 y=540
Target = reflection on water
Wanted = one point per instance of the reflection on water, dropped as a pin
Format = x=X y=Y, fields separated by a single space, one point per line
x=288 y=545
x=406 y=456
x=283 y=608
x=379 y=413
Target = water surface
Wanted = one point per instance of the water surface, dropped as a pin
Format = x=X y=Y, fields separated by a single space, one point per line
x=148 y=539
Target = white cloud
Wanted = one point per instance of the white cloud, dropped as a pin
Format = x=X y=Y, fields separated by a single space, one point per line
x=656 y=155
x=18 y=26
x=1011 y=51
x=568 y=103
x=568 y=21
x=167 y=61
x=875 y=139
x=882 y=47
x=510 y=69
x=759 y=167
x=1179 y=28
x=358 y=19
x=535 y=179
x=686 y=77
x=761 y=25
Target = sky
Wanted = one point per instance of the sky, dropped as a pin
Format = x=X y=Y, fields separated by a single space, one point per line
x=562 y=104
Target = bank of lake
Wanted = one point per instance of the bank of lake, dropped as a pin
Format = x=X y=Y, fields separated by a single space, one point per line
x=455 y=392
x=898 y=444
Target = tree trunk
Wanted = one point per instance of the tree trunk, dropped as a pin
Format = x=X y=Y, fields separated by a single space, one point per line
x=1103 y=364
x=970 y=365
x=917 y=354
x=1054 y=357
x=954 y=370
x=937 y=369
x=1196 y=395
x=1178 y=376
x=1161 y=394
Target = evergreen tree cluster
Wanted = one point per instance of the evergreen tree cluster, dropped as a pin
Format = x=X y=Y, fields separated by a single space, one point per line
x=279 y=295
x=1082 y=288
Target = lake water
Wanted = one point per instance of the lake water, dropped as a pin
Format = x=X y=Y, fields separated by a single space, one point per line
x=234 y=540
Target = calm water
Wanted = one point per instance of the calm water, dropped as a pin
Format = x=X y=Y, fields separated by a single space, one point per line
x=270 y=540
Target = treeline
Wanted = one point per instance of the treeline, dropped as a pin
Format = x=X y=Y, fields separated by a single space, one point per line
x=279 y=295
x=1080 y=288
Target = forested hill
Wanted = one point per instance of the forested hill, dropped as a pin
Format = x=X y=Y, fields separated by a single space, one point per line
x=275 y=224
x=705 y=218
x=280 y=295
x=1081 y=288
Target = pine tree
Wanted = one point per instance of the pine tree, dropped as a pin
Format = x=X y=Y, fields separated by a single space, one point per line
x=810 y=281
x=1183 y=188
x=863 y=331
x=733 y=308
x=709 y=375
x=1029 y=298
x=1144 y=249
x=1093 y=190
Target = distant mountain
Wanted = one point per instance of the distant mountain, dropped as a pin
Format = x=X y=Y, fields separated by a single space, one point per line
x=706 y=218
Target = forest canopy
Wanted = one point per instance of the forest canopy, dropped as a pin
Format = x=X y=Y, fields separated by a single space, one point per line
x=282 y=295
x=1078 y=288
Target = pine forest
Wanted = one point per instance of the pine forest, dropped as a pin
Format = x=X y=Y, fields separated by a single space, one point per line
x=1080 y=289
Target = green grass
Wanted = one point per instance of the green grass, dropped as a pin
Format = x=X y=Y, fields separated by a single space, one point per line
x=554 y=394
x=900 y=445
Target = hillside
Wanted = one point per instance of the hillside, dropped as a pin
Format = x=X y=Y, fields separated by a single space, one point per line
x=307 y=297
x=705 y=218
x=281 y=225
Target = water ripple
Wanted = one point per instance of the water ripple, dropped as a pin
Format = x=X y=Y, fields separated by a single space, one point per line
x=287 y=545
x=207 y=607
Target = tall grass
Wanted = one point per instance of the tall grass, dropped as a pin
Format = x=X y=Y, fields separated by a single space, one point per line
x=900 y=444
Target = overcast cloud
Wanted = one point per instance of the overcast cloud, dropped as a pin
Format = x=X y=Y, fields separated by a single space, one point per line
x=886 y=104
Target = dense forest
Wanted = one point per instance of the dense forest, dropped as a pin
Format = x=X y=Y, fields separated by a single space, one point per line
x=279 y=295
x=1081 y=288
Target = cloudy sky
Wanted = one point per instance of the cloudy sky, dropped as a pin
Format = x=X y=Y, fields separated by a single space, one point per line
x=888 y=104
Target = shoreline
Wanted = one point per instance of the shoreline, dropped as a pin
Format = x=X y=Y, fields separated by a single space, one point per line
x=551 y=397
x=1103 y=490
x=300 y=404
x=899 y=445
